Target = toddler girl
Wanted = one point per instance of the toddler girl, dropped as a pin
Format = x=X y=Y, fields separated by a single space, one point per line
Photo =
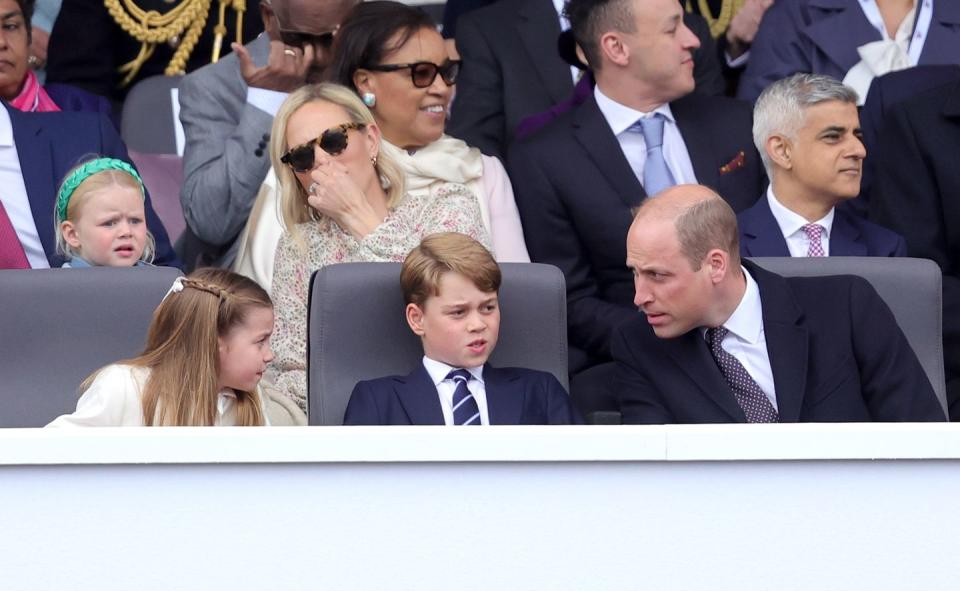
x=100 y=219
x=207 y=348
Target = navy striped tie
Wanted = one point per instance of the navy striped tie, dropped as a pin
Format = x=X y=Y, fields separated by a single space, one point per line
x=465 y=409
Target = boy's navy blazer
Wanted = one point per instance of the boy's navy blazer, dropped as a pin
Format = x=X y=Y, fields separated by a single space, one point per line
x=515 y=396
x=760 y=235
x=48 y=146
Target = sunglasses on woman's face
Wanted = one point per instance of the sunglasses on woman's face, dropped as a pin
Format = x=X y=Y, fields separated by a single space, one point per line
x=424 y=73
x=332 y=141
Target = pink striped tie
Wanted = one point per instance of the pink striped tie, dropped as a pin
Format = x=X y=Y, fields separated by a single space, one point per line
x=11 y=251
x=815 y=235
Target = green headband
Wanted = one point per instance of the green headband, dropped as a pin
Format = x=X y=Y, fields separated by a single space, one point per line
x=83 y=172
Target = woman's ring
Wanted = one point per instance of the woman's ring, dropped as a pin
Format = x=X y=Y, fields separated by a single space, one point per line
x=312 y=189
x=290 y=52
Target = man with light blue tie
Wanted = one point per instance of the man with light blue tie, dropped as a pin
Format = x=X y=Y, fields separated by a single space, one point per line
x=807 y=130
x=642 y=131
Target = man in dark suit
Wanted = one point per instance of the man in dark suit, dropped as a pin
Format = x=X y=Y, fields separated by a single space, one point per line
x=88 y=46
x=917 y=193
x=45 y=147
x=723 y=341
x=512 y=69
x=577 y=179
x=450 y=284
x=807 y=131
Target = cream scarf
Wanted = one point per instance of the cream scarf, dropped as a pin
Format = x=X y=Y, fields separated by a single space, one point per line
x=446 y=160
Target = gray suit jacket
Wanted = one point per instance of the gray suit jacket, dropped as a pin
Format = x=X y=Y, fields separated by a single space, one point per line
x=226 y=156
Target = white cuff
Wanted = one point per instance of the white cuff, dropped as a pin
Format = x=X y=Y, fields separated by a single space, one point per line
x=268 y=101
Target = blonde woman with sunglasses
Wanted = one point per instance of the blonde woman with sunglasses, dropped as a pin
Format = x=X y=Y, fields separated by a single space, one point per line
x=342 y=200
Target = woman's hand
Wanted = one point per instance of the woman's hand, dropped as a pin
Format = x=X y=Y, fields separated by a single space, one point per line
x=334 y=193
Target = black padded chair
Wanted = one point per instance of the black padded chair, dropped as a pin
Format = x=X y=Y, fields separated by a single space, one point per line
x=59 y=325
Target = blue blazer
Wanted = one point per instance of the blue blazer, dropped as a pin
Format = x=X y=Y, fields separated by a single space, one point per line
x=835 y=349
x=822 y=37
x=49 y=145
x=515 y=396
x=760 y=236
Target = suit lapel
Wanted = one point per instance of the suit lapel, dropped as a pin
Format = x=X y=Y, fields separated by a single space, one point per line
x=504 y=399
x=787 y=341
x=845 y=237
x=941 y=47
x=539 y=27
x=594 y=134
x=761 y=233
x=840 y=30
x=419 y=398
x=694 y=362
x=699 y=145
x=36 y=166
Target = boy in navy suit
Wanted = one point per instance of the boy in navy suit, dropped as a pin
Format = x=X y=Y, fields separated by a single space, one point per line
x=450 y=284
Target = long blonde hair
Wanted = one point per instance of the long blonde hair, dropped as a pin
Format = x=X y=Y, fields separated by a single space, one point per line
x=182 y=350
x=293 y=197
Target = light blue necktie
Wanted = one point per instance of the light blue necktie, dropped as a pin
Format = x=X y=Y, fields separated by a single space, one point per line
x=656 y=174
x=465 y=409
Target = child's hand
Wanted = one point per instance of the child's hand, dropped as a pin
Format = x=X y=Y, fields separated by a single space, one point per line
x=335 y=194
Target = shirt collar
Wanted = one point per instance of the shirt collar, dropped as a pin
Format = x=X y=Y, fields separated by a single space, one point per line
x=746 y=322
x=6 y=126
x=791 y=222
x=621 y=117
x=438 y=370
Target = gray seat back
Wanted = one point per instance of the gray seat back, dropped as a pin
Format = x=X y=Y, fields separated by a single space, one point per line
x=910 y=287
x=59 y=325
x=358 y=331
x=147 y=123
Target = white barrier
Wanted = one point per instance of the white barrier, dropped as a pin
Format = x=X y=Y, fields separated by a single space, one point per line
x=706 y=507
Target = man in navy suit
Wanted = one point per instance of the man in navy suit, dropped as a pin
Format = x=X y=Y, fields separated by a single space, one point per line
x=577 y=179
x=724 y=341
x=42 y=148
x=918 y=194
x=450 y=283
x=807 y=131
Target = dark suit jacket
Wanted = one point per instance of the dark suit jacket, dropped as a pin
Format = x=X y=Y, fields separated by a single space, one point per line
x=575 y=191
x=87 y=46
x=515 y=396
x=760 y=236
x=886 y=91
x=835 y=349
x=917 y=194
x=822 y=37
x=49 y=145
x=512 y=69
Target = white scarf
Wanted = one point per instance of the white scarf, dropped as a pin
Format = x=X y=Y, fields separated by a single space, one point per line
x=889 y=55
x=447 y=160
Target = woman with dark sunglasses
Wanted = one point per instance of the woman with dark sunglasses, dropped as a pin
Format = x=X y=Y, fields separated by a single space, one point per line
x=393 y=57
x=341 y=199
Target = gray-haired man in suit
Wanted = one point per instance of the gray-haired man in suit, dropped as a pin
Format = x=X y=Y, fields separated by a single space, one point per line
x=227 y=110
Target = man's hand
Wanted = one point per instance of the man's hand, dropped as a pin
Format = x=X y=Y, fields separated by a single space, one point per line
x=743 y=28
x=38 y=45
x=286 y=68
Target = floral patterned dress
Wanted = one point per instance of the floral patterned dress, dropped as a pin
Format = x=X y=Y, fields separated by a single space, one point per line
x=449 y=208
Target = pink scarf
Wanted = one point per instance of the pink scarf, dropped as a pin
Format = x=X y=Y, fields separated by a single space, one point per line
x=33 y=97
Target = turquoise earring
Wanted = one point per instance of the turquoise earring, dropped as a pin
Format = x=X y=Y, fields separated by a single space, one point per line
x=369 y=99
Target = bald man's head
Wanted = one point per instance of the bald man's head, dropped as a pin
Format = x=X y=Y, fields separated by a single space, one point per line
x=702 y=219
